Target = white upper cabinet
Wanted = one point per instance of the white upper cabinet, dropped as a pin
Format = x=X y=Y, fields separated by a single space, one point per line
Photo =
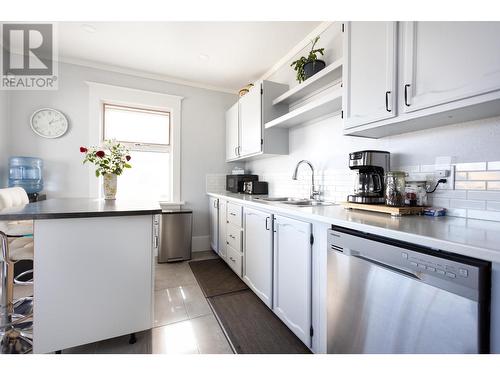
x=232 y=133
x=448 y=61
x=369 y=72
x=447 y=72
x=258 y=250
x=251 y=122
x=245 y=133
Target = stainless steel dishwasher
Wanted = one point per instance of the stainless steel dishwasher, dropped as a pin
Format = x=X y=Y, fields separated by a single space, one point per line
x=386 y=296
x=175 y=235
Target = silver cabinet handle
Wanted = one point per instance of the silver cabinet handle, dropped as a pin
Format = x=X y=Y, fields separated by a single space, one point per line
x=233 y=237
x=267 y=222
x=387 y=93
x=236 y=151
x=231 y=258
x=232 y=214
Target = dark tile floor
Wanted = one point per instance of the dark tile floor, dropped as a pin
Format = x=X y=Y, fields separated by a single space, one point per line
x=183 y=320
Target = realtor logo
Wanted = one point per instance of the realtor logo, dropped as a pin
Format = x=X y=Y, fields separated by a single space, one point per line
x=28 y=57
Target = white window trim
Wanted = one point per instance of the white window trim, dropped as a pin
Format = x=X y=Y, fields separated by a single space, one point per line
x=100 y=93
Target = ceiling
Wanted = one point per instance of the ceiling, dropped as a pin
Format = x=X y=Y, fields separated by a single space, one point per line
x=224 y=55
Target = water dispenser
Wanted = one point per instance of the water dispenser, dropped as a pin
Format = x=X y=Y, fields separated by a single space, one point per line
x=26 y=172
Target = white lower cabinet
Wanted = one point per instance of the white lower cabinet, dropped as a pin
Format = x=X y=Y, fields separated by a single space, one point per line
x=233 y=259
x=213 y=210
x=258 y=253
x=292 y=275
x=221 y=249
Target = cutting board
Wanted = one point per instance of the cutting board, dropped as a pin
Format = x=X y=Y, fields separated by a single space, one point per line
x=393 y=211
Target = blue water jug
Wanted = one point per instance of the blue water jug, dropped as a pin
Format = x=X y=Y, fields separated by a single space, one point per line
x=26 y=172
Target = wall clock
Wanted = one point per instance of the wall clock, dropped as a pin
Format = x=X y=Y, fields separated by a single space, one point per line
x=49 y=123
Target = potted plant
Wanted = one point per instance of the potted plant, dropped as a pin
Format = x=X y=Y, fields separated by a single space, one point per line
x=111 y=159
x=308 y=66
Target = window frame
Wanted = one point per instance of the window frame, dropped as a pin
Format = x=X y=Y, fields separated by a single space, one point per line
x=100 y=93
x=138 y=146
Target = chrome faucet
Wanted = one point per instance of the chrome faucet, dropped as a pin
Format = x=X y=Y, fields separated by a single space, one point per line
x=314 y=193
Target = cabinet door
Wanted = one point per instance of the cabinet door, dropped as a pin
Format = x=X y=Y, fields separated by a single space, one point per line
x=213 y=209
x=258 y=253
x=448 y=61
x=292 y=275
x=369 y=72
x=222 y=228
x=250 y=115
x=232 y=133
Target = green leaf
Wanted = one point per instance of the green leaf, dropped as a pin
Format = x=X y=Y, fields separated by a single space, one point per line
x=97 y=174
x=127 y=165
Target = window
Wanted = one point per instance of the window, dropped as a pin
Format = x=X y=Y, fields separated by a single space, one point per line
x=149 y=123
x=146 y=133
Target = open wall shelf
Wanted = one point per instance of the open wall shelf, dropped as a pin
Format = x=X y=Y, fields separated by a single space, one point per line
x=324 y=105
x=330 y=74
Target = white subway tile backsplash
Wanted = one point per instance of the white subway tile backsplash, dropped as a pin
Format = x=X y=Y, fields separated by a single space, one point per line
x=469 y=185
x=493 y=206
x=457 y=212
x=493 y=185
x=476 y=193
x=484 y=215
x=441 y=202
x=484 y=195
x=494 y=165
x=490 y=175
x=457 y=194
x=460 y=203
x=471 y=166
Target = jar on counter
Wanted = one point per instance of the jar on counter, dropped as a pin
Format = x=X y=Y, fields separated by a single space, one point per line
x=416 y=193
x=395 y=184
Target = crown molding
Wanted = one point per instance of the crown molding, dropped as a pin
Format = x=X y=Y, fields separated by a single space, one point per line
x=142 y=74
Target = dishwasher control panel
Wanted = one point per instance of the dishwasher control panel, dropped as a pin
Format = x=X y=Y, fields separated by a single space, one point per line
x=411 y=260
x=442 y=268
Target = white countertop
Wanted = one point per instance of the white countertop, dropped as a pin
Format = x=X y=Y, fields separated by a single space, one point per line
x=470 y=237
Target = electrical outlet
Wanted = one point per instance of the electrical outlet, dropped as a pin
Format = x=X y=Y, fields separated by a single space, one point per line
x=449 y=174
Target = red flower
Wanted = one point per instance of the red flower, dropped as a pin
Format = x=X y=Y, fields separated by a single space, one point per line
x=100 y=154
x=128 y=157
x=83 y=149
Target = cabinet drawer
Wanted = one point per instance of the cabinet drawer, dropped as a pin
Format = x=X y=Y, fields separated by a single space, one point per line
x=234 y=214
x=233 y=259
x=233 y=237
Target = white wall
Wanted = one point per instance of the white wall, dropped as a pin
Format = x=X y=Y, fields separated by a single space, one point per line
x=203 y=133
x=4 y=137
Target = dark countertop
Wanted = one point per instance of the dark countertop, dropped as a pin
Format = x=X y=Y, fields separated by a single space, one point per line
x=78 y=208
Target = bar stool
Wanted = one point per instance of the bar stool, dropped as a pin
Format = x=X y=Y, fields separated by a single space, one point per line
x=16 y=244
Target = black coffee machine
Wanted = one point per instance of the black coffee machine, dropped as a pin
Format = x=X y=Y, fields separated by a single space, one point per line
x=369 y=183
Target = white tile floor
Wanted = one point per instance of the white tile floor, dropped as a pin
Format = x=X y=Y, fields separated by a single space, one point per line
x=183 y=320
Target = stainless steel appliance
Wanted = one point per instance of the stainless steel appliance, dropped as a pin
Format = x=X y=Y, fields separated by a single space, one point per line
x=255 y=187
x=369 y=184
x=175 y=235
x=234 y=182
x=386 y=296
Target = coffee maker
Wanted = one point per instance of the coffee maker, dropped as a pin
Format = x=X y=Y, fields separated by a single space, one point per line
x=369 y=183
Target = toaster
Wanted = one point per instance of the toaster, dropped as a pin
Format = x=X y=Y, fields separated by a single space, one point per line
x=255 y=187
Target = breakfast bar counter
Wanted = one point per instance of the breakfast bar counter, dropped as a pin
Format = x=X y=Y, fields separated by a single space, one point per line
x=93 y=269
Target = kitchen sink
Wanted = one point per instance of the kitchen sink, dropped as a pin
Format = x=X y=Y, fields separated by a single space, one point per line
x=309 y=203
x=298 y=201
